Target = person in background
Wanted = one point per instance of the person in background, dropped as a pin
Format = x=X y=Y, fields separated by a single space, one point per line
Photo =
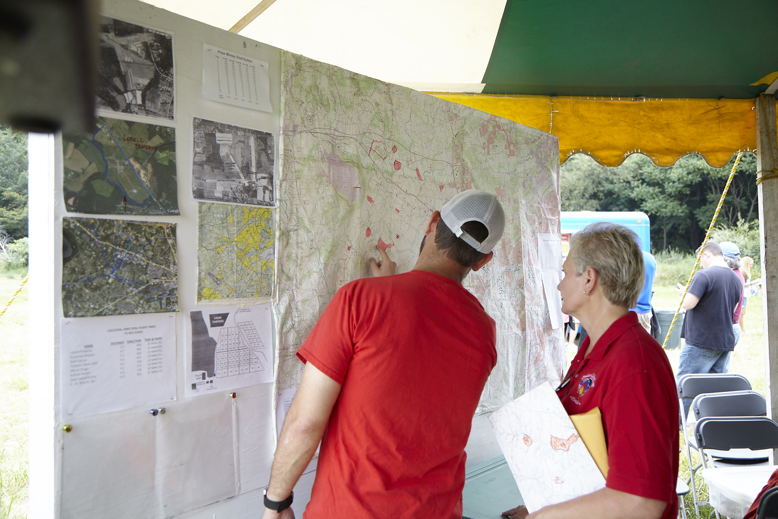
x=746 y=264
x=710 y=307
x=622 y=370
x=394 y=369
x=731 y=254
x=643 y=306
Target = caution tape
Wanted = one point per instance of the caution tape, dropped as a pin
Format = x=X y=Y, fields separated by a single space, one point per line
x=704 y=243
x=15 y=294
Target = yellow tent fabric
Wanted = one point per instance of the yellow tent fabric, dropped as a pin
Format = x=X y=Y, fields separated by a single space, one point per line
x=610 y=129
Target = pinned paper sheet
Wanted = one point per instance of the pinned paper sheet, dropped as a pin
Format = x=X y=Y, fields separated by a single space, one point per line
x=545 y=453
x=229 y=347
x=550 y=255
x=255 y=434
x=119 y=362
x=195 y=457
x=108 y=467
x=235 y=80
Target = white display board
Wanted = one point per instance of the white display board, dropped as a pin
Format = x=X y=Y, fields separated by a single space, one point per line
x=113 y=458
x=101 y=449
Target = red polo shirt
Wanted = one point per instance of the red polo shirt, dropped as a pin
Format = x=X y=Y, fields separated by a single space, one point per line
x=627 y=375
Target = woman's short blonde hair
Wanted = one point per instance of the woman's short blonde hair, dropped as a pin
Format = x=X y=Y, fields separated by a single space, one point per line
x=613 y=251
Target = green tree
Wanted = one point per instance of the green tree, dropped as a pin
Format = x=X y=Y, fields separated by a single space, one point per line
x=13 y=183
x=680 y=200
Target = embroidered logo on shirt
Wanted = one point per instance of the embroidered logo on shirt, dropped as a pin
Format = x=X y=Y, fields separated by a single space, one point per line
x=586 y=383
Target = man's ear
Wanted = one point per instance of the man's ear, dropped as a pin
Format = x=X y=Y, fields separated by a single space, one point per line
x=483 y=261
x=433 y=223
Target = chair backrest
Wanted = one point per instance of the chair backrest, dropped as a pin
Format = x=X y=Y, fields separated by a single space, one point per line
x=693 y=384
x=768 y=505
x=736 y=432
x=729 y=403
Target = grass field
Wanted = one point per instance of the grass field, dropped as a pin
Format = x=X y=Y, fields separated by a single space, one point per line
x=13 y=399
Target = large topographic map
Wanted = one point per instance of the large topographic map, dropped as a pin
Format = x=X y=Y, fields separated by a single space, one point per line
x=235 y=253
x=123 y=167
x=365 y=163
x=112 y=267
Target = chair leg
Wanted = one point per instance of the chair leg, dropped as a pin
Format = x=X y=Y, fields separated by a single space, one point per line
x=692 y=468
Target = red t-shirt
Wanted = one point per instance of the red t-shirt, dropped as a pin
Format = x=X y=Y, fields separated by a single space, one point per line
x=412 y=353
x=627 y=375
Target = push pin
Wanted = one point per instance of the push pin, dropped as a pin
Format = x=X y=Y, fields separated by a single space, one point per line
x=67 y=428
x=233 y=395
x=156 y=410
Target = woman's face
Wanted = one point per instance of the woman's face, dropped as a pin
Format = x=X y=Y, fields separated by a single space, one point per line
x=571 y=288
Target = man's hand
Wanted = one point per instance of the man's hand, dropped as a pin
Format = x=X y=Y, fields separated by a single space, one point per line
x=520 y=512
x=284 y=514
x=383 y=267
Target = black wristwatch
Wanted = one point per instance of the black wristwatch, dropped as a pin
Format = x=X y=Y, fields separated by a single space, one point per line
x=278 y=506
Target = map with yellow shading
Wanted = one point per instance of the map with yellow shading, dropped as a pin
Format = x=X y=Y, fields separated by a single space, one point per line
x=235 y=252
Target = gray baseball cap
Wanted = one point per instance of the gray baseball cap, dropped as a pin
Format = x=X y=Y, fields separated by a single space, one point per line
x=730 y=249
x=478 y=206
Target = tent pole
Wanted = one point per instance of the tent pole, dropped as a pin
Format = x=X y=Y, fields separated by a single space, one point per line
x=767 y=173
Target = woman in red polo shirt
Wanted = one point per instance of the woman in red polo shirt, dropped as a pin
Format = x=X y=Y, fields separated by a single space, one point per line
x=622 y=370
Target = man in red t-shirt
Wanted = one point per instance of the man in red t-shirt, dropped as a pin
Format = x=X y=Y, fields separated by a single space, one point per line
x=394 y=370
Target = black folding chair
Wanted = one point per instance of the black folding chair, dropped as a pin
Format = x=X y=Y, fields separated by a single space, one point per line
x=730 y=403
x=691 y=385
x=716 y=435
x=726 y=433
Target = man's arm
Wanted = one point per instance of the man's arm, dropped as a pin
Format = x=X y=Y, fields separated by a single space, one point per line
x=303 y=428
x=699 y=285
x=690 y=301
x=603 y=504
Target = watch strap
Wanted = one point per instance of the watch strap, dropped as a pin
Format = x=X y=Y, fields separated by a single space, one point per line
x=278 y=506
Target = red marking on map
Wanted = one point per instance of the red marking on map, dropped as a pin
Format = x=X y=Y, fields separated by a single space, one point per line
x=418 y=174
x=368 y=232
x=378 y=148
x=494 y=131
x=397 y=165
x=342 y=176
x=527 y=440
x=383 y=245
x=396 y=210
x=394 y=149
x=396 y=236
x=559 y=444
x=440 y=187
x=348 y=248
x=370 y=199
